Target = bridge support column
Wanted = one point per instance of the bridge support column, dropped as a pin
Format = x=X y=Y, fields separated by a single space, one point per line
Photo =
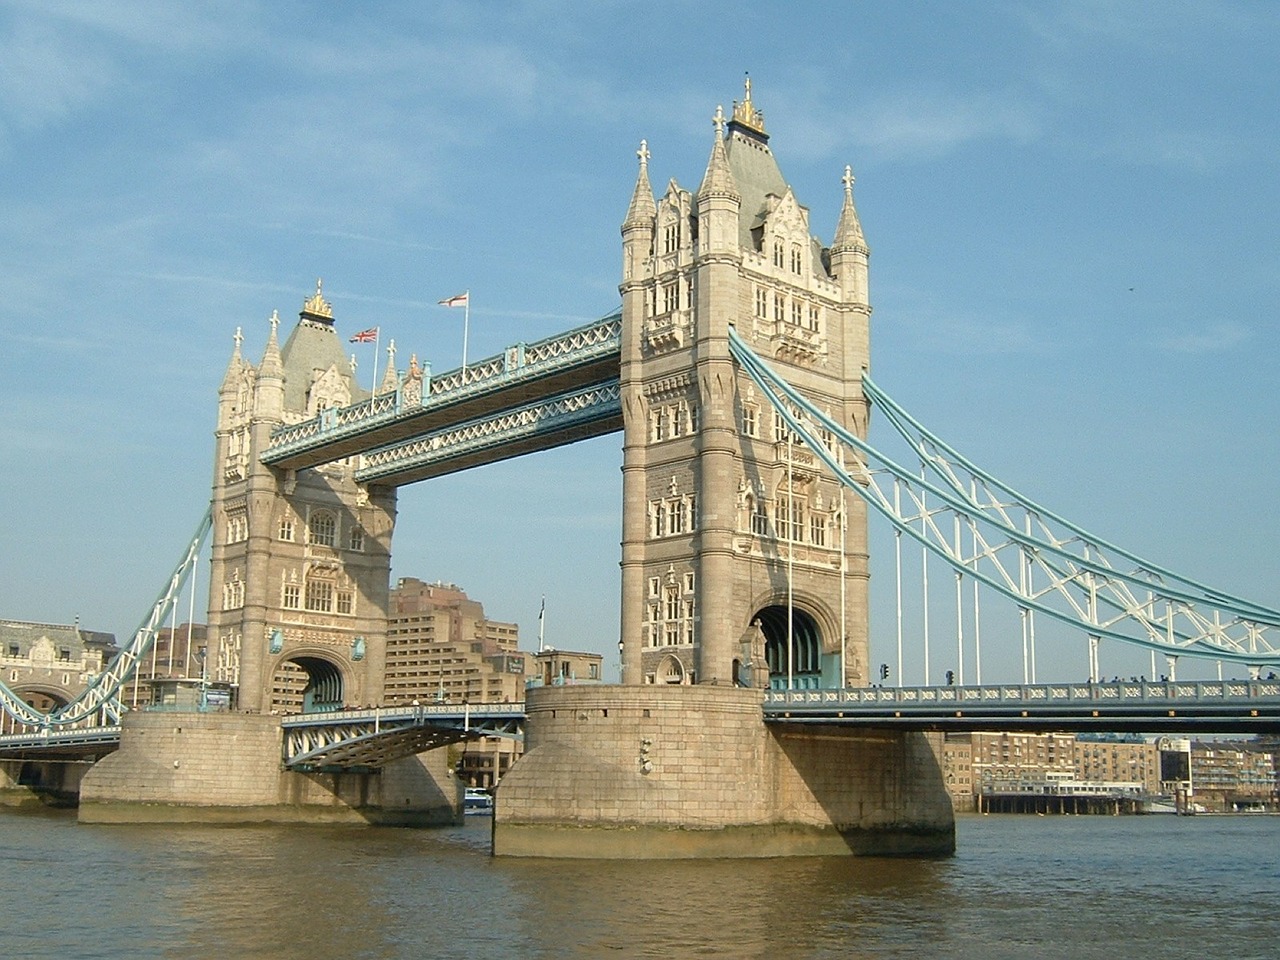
x=226 y=768
x=693 y=771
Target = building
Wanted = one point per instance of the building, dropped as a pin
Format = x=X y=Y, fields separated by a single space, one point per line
x=50 y=664
x=178 y=653
x=957 y=769
x=1115 y=759
x=1229 y=776
x=441 y=648
x=301 y=560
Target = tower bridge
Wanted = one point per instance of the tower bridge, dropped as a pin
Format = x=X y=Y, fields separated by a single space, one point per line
x=737 y=371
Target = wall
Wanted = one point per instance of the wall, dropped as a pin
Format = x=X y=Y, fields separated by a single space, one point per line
x=226 y=768
x=693 y=771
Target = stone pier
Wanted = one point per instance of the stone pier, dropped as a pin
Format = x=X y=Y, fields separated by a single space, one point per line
x=669 y=772
x=226 y=768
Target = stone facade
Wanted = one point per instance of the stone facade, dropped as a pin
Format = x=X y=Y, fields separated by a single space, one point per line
x=225 y=768
x=693 y=771
x=301 y=561
x=49 y=664
x=727 y=523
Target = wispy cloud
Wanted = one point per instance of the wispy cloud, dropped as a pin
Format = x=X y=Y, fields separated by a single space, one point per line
x=1216 y=338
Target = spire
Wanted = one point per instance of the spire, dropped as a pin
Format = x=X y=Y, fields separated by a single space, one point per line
x=642 y=206
x=746 y=117
x=849 y=229
x=718 y=180
x=235 y=366
x=272 y=365
x=390 y=379
x=316 y=308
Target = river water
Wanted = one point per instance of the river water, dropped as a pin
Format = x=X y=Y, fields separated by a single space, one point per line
x=1024 y=887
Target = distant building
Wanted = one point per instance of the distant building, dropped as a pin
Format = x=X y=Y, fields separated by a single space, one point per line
x=176 y=654
x=50 y=664
x=1229 y=776
x=441 y=648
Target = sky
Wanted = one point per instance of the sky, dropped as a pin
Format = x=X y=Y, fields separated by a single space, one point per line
x=1071 y=208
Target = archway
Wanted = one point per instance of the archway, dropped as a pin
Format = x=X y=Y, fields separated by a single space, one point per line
x=804 y=667
x=306 y=685
x=670 y=671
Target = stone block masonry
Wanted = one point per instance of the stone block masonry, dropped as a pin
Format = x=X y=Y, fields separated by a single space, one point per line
x=693 y=771
x=226 y=768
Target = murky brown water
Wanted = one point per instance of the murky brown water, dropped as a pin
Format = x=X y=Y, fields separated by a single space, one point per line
x=1024 y=887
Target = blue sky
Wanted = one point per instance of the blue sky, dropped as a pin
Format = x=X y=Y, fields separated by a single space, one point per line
x=1071 y=207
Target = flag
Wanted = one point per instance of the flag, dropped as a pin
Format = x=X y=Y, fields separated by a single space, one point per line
x=365 y=336
x=459 y=301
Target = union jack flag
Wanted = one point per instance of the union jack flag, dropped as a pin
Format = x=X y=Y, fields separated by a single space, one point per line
x=365 y=336
x=459 y=301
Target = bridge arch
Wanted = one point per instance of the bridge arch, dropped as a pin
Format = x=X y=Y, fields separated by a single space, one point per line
x=308 y=682
x=809 y=654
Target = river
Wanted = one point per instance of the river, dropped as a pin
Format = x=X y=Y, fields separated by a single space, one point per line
x=1019 y=887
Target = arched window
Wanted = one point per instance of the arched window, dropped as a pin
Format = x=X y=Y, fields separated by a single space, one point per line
x=322 y=529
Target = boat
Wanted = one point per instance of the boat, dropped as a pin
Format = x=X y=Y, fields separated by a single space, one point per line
x=477 y=801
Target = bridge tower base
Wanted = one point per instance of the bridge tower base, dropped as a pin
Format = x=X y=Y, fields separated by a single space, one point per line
x=683 y=772
x=226 y=768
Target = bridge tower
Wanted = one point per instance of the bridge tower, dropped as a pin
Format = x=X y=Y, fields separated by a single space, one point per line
x=301 y=562
x=736 y=547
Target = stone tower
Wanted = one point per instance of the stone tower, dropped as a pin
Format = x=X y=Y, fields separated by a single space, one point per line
x=301 y=562
x=742 y=561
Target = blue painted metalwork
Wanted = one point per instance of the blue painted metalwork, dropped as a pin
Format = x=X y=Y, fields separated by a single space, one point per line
x=1077 y=586
x=1223 y=706
x=98 y=703
x=548 y=423
x=369 y=739
x=523 y=372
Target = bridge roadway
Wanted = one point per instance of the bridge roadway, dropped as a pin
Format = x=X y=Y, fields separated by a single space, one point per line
x=530 y=397
x=367 y=739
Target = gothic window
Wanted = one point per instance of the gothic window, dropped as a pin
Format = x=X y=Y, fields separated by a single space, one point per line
x=762 y=303
x=654 y=586
x=797 y=312
x=658 y=517
x=818 y=530
x=795 y=259
x=813 y=317
x=322 y=529
x=286 y=528
x=688 y=582
x=292 y=597
x=692 y=418
x=356 y=541
x=792 y=527
x=343 y=604
x=671 y=238
x=676 y=518
x=660 y=420
x=233 y=592
x=779 y=307
x=319 y=595
x=759 y=519
x=670 y=297
x=750 y=421
x=777 y=253
x=237 y=527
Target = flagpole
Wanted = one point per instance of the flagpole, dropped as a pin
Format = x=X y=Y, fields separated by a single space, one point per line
x=542 y=613
x=373 y=392
x=466 y=324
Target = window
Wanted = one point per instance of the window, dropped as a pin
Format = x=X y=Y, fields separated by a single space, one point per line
x=357 y=539
x=14 y=651
x=660 y=424
x=233 y=593
x=320 y=595
x=797 y=312
x=818 y=530
x=795 y=259
x=779 y=307
x=658 y=518
x=750 y=421
x=286 y=528
x=670 y=297
x=762 y=303
x=292 y=597
x=653 y=587
x=323 y=529
x=237 y=527
x=777 y=253
x=760 y=520
x=671 y=238
x=813 y=317
x=344 y=601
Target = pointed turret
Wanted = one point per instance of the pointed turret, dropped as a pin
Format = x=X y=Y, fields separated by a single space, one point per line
x=638 y=227
x=390 y=379
x=719 y=201
x=269 y=399
x=849 y=252
x=235 y=366
x=642 y=207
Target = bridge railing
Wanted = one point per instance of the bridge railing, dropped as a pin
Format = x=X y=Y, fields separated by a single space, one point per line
x=1034 y=695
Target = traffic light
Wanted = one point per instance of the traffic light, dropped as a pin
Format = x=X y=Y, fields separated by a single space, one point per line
x=884 y=671
x=951 y=678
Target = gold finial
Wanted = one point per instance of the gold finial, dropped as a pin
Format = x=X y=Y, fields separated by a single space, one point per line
x=316 y=305
x=745 y=113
